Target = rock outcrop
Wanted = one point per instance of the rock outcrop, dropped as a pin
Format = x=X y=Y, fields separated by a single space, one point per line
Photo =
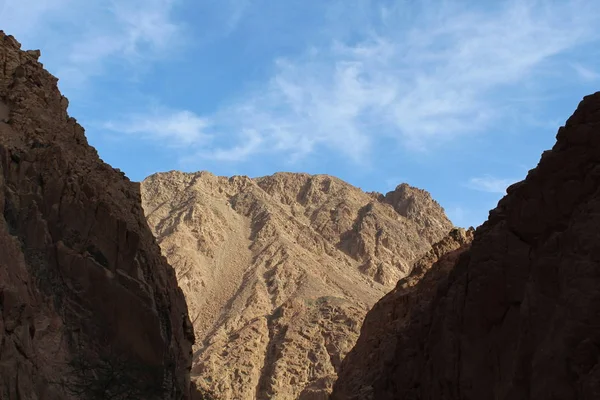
x=88 y=306
x=279 y=271
x=516 y=317
x=368 y=360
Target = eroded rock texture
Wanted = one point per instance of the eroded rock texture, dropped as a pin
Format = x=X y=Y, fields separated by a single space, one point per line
x=517 y=316
x=86 y=299
x=279 y=271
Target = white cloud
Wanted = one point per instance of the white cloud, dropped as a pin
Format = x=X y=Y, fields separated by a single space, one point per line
x=490 y=184
x=22 y=18
x=422 y=83
x=296 y=112
x=176 y=128
x=585 y=73
x=415 y=73
x=251 y=144
x=89 y=35
x=236 y=11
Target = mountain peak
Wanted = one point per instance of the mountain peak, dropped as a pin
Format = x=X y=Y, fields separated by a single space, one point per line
x=279 y=271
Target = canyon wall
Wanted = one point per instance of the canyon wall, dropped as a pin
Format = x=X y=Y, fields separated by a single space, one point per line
x=88 y=306
x=516 y=316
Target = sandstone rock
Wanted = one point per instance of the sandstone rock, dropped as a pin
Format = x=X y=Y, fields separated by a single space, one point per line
x=84 y=291
x=516 y=317
x=279 y=271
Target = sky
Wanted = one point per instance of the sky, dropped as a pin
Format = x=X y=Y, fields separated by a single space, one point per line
x=456 y=97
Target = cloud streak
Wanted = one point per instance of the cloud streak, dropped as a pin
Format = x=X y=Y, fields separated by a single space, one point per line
x=88 y=36
x=413 y=73
x=421 y=83
x=490 y=184
x=177 y=128
x=586 y=73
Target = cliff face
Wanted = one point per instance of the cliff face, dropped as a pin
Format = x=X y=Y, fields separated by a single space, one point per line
x=279 y=271
x=516 y=317
x=83 y=287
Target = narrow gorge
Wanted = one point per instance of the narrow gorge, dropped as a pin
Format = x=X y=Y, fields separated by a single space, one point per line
x=192 y=286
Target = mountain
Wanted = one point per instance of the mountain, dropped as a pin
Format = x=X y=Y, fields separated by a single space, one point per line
x=89 y=309
x=279 y=271
x=513 y=316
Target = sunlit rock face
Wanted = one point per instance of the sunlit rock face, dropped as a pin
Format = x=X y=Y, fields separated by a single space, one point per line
x=279 y=271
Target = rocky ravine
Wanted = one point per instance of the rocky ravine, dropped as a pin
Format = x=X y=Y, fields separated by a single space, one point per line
x=516 y=317
x=82 y=283
x=279 y=271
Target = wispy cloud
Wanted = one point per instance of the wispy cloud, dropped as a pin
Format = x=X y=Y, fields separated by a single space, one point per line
x=251 y=145
x=24 y=18
x=422 y=82
x=89 y=35
x=236 y=11
x=490 y=184
x=418 y=74
x=586 y=73
x=296 y=112
x=177 y=128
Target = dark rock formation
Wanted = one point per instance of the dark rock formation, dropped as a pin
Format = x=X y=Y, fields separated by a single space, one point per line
x=83 y=287
x=517 y=316
x=367 y=360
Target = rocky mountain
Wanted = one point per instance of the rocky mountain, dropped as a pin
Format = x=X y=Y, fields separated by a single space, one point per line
x=515 y=316
x=279 y=271
x=89 y=309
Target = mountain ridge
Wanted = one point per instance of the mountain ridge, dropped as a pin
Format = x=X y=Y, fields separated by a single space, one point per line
x=289 y=264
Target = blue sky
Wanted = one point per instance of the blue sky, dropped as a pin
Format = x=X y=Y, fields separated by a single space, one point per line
x=457 y=97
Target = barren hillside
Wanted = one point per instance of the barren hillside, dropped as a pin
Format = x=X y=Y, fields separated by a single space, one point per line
x=279 y=271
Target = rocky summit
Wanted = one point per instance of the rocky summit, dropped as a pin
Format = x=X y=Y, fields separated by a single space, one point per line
x=279 y=271
x=513 y=316
x=89 y=309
